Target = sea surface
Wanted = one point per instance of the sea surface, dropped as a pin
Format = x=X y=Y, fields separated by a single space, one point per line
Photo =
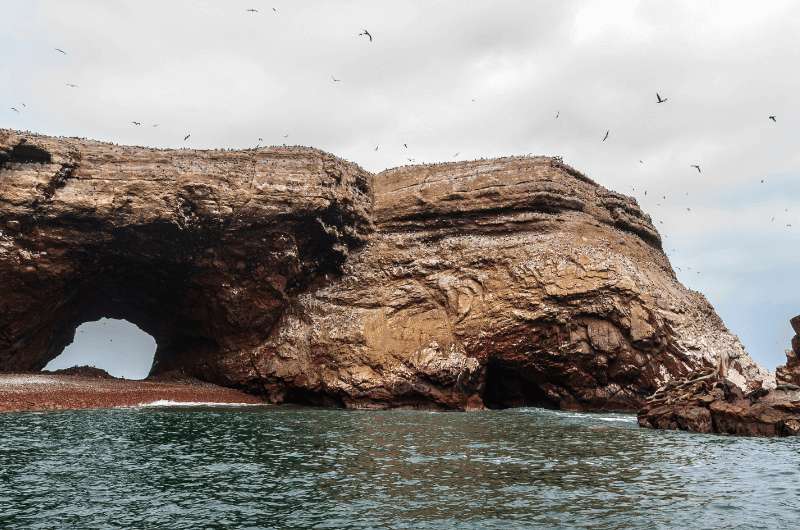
x=283 y=467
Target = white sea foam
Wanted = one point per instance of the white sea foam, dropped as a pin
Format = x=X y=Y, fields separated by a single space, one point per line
x=171 y=403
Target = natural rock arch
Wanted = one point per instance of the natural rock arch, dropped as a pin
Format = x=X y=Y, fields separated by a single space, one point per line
x=301 y=277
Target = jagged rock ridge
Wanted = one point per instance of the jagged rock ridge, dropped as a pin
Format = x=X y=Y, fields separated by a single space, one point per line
x=301 y=277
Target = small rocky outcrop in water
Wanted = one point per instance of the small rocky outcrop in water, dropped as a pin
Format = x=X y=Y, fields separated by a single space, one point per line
x=706 y=402
x=301 y=277
x=790 y=372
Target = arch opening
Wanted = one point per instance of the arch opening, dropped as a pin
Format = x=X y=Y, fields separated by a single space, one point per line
x=117 y=346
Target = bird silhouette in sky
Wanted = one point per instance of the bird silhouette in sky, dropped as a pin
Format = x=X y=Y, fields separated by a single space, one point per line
x=336 y=80
x=286 y=135
x=405 y=146
x=186 y=137
x=456 y=154
x=71 y=85
x=251 y=10
x=156 y=124
x=558 y=113
x=137 y=123
x=15 y=110
x=275 y=10
x=773 y=118
x=697 y=167
x=659 y=99
x=606 y=136
x=365 y=33
x=376 y=147
x=59 y=50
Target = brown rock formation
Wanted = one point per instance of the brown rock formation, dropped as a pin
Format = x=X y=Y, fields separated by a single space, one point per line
x=300 y=277
x=707 y=403
x=790 y=372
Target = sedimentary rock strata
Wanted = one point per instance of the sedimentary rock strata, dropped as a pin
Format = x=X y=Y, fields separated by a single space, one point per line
x=300 y=277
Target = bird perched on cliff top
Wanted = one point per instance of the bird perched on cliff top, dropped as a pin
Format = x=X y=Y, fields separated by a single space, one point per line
x=366 y=33
x=659 y=99
x=606 y=136
x=697 y=167
x=773 y=119
x=59 y=50
x=186 y=137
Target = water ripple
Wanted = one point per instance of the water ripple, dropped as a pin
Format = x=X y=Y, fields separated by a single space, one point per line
x=282 y=467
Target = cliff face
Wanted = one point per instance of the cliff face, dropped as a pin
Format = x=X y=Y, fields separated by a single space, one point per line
x=293 y=274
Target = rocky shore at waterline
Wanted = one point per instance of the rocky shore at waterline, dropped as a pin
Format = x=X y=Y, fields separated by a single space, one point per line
x=706 y=401
x=53 y=391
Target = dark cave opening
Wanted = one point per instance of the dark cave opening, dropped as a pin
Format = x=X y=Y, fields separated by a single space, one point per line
x=24 y=153
x=508 y=386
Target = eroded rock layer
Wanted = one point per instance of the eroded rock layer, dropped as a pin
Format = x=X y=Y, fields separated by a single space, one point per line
x=300 y=277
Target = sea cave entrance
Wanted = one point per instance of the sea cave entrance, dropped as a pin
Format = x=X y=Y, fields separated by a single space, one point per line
x=117 y=346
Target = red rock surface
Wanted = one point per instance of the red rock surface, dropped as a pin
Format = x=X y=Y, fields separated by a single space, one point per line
x=35 y=392
x=300 y=277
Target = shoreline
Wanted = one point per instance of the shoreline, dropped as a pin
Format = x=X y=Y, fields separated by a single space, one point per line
x=36 y=392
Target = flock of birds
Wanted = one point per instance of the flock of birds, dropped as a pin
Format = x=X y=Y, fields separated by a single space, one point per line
x=366 y=34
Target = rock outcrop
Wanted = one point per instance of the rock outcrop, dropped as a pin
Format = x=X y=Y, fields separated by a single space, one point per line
x=790 y=372
x=707 y=403
x=300 y=277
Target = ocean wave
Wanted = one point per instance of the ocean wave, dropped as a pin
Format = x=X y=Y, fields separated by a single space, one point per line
x=171 y=403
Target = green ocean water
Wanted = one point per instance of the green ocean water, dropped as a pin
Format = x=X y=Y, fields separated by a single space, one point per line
x=283 y=467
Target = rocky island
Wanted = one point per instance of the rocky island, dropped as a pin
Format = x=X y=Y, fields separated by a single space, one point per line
x=295 y=276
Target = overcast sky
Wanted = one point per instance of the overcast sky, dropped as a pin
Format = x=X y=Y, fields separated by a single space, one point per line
x=479 y=79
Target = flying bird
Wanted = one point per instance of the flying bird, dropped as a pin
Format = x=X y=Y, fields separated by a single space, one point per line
x=376 y=147
x=405 y=145
x=336 y=80
x=286 y=135
x=659 y=99
x=366 y=33
x=137 y=123
x=23 y=104
x=186 y=137
x=71 y=85
x=251 y=10
x=697 y=167
x=60 y=51
x=773 y=118
x=558 y=113
x=456 y=154
x=276 y=11
x=156 y=124
x=606 y=136
x=15 y=110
